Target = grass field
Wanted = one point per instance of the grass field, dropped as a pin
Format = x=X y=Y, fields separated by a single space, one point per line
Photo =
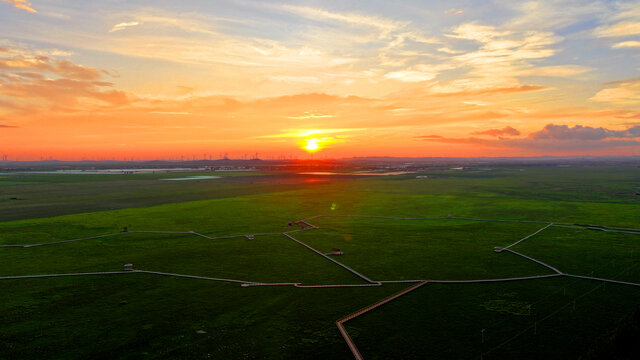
x=139 y=315
x=424 y=249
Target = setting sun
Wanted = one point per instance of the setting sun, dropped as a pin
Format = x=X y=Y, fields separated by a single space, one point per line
x=311 y=145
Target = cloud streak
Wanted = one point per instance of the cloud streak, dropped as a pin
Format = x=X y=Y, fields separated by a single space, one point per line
x=383 y=25
x=507 y=131
x=624 y=93
x=123 y=26
x=22 y=5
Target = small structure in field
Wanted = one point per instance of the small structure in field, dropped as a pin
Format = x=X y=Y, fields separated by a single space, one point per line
x=128 y=267
x=250 y=237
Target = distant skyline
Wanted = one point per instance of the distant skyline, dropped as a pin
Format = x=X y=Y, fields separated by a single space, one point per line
x=322 y=79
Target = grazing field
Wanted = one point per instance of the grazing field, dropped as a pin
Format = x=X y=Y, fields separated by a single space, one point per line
x=144 y=315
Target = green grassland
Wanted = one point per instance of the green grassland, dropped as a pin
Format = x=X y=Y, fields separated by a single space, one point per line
x=424 y=249
x=144 y=316
x=589 y=253
x=446 y=320
x=236 y=258
x=25 y=196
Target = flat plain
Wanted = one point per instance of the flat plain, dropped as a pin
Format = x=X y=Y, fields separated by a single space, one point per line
x=144 y=315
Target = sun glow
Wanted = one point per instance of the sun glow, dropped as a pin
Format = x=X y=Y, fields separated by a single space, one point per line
x=312 y=145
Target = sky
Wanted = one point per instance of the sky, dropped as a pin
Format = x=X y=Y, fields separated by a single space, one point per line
x=161 y=79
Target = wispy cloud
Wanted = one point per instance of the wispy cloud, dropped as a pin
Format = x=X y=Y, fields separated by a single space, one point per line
x=418 y=73
x=625 y=28
x=477 y=32
x=507 y=131
x=626 y=44
x=309 y=115
x=501 y=58
x=454 y=11
x=123 y=25
x=626 y=92
x=624 y=21
x=384 y=26
x=22 y=5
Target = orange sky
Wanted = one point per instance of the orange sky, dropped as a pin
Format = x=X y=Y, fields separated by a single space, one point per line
x=156 y=79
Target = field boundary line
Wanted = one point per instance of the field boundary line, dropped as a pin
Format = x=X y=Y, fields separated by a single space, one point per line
x=478 y=281
x=535 y=260
x=602 y=279
x=329 y=258
x=526 y=237
x=17 y=277
x=141 y=232
x=192 y=276
x=559 y=224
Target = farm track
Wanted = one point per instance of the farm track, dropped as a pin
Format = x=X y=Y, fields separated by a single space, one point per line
x=306 y=226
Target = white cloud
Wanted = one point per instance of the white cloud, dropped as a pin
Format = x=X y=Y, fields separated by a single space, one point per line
x=385 y=26
x=625 y=28
x=624 y=20
x=502 y=57
x=447 y=50
x=556 y=71
x=552 y=14
x=410 y=76
x=626 y=44
x=472 y=31
x=418 y=73
x=123 y=25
